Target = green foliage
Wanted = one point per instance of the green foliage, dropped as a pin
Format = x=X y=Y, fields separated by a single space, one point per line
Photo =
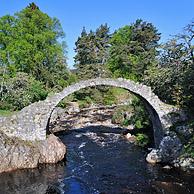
x=21 y=91
x=189 y=148
x=172 y=79
x=91 y=53
x=142 y=140
x=91 y=56
x=29 y=42
x=32 y=58
x=140 y=118
x=6 y=113
x=132 y=114
x=109 y=98
x=120 y=115
x=85 y=103
x=126 y=122
x=133 y=50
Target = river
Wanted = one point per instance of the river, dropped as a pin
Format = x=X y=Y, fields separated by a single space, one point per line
x=99 y=161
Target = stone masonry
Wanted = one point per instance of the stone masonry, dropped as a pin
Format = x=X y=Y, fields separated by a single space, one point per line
x=31 y=122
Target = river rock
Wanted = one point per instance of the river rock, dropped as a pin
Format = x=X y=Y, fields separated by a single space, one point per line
x=130 y=138
x=73 y=107
x=18 y=154
x=52 y=150
x=185 y=131
x=185 y=163
x=170 y=147
x=154 y=157
x=167 y=167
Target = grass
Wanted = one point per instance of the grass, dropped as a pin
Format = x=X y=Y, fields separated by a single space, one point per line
x=121 y=94
x=6 y=113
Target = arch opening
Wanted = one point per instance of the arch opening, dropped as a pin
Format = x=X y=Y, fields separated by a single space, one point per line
x=131 y=87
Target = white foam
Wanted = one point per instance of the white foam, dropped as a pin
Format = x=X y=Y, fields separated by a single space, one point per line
x=82 y=145
x=78 y=135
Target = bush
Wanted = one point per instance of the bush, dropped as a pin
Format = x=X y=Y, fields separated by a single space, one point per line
x=140 y=118
x=20 y=91
x=189 y=148
x=132 y=114
x=142 y=140
x=126 y=122
x=109 y=98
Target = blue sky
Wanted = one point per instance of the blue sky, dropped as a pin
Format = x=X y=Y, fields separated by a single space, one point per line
x=169 y=16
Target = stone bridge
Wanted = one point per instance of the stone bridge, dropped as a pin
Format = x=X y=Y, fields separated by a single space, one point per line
x=32 y=122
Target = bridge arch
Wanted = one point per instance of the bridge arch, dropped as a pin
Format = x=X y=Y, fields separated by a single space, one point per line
x=32 y=121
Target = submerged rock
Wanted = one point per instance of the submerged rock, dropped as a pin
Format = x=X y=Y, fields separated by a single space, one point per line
x=167 y=167
x=18 y=154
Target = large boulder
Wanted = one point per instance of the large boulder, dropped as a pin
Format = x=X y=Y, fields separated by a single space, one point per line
x=170 y=147
x=51 y=150
x=18 y=154
x=15 y=153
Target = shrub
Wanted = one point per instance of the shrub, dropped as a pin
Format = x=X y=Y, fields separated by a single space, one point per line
x=126 y=122
x=20 y=91
x=189 y=148
x=142 y=140
x=140 y=118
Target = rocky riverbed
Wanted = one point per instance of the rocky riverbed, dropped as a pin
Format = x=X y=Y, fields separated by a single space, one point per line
x=66 y=119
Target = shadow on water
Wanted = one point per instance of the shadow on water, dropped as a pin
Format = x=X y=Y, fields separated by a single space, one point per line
x=99 y=161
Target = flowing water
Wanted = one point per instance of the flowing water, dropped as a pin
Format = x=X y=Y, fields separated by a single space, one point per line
x=99 y=161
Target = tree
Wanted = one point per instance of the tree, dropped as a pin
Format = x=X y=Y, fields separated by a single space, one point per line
x=133 y=50
x=92 y=52
x=172 y=77
x=90 y=61
x=30 y=43
x=166 y=78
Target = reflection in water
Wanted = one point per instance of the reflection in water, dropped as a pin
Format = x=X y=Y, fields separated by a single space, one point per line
x=99 y=161
x=32 y=181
